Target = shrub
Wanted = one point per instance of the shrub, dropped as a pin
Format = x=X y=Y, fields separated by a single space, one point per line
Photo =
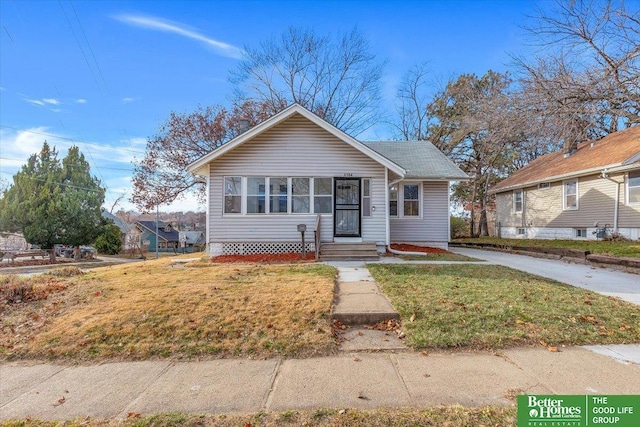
x=459 y=227
x=110 y=241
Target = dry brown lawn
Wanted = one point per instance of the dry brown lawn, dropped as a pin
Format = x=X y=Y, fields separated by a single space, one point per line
x=155 y=309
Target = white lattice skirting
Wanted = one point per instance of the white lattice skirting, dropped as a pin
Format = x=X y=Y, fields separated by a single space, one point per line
x=253 y=248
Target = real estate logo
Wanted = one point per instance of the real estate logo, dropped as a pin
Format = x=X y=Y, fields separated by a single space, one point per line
x=578 y=411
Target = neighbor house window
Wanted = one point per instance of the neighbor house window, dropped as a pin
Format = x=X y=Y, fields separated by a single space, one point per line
x=366 y=197
x=544 y=185
x=393 y=200
x=411 y=200
x=571 y=194
x=517 y=201
x=521 y=231
x=322 y=191
x=300 y=195
x=232 y=194
x=278 y=195
x=633 y=187
x=581 y=232
x=256 y=202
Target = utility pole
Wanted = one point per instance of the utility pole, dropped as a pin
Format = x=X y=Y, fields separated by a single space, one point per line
x=157 y=237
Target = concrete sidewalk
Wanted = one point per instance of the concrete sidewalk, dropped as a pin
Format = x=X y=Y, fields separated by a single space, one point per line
x=354 y=380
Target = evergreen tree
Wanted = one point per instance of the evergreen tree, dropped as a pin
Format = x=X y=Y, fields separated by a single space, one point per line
x=52 y=202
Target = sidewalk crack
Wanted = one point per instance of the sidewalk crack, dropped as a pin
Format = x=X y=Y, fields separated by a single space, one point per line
x=274 y=382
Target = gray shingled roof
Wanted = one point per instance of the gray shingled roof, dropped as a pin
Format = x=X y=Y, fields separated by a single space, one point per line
x=421 y=159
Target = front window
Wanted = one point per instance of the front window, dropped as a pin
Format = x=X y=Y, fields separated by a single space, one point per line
x=634 y=187
x=279 y=195
x=232 y=194
x=322 y=191
x=300 y=195
x=366 y=197
x=411 y=200
x=517 y=201
x=571 y=194
x=256 y=195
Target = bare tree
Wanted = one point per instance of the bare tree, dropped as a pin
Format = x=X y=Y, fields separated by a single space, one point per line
x=478 y=123
x=337 y=79
x=412 y=101
x=585 y=77
x=162 y=175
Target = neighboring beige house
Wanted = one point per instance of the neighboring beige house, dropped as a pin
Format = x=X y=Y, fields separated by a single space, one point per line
x=295 y=168
x=572 y=194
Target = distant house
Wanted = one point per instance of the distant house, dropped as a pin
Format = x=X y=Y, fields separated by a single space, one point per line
x=167 y=237
x=191 y=241
x=297 y=169
x=123 y=226
x=572 y=194
x=13 y=242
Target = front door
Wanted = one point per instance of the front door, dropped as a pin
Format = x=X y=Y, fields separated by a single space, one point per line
x=346 y=212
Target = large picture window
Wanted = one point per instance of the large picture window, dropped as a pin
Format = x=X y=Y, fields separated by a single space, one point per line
x=633 y=187
x=571 y=194
x=232 y=194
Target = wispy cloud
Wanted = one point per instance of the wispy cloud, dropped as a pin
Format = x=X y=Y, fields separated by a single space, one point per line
x=128 y=99
x=43 y=101
x=160 y=24
x=81 y=101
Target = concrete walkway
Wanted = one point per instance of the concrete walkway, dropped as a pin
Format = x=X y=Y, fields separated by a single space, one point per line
x=625 y=286
x=354 y=380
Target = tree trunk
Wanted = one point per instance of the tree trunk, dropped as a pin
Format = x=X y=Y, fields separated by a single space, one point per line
x=52 y=255
x=76 y=253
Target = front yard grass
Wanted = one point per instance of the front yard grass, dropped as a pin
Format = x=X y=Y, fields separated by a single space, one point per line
x=489 y=307
x=629 y=249
x=453 y=416
x=449 y=256
x=154 y=309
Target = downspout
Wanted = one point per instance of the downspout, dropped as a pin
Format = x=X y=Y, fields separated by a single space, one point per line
x=605 y=174
x=386 y=210
x=448 y=212
x=207 y=245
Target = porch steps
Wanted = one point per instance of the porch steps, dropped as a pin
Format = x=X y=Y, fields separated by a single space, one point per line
x=364 y=251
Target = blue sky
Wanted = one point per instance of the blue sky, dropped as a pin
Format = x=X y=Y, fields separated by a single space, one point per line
x=105 y=74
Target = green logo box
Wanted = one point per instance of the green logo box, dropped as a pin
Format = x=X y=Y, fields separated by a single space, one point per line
x=578 y=410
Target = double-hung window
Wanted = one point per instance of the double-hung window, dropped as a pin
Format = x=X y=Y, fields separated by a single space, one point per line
x=411 y=200
x=517 y=201
x=278 y=195
x=393 y=200
x=570 y=194
x=322 y=195
x=232 y=194
x=633 y=188
x=366 y=197
x=300 y=195
x=256 y=202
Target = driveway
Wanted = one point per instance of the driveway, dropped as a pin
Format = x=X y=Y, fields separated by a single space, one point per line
x=614 y=283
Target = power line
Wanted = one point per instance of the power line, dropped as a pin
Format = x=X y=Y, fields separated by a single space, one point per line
x=99 y=167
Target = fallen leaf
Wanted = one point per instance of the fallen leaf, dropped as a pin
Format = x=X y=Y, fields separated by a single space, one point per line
x=133 y=415
x=357 y=359
x=426 y=375
x=587 y=302
x=412 y=318
x=552 y=349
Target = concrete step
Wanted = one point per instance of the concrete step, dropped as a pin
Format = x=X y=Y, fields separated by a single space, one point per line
x=365 y=251
x=349 y=257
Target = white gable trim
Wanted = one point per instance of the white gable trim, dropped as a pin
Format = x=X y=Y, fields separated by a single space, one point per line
x=198 y=167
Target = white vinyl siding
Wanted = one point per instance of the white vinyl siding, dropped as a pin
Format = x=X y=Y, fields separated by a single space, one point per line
x=434 y=224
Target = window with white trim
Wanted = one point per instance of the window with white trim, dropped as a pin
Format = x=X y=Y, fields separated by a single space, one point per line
x=393 y=200
x=570 y=193
x=256 y=197
x=232 y=194
x=300 y=195
x=278 y=195
x=366 y=197
x=517 y=201
x=322 y=195
x=544 y=185
x=580 y=232
x=411 y=200
x=633 y=188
